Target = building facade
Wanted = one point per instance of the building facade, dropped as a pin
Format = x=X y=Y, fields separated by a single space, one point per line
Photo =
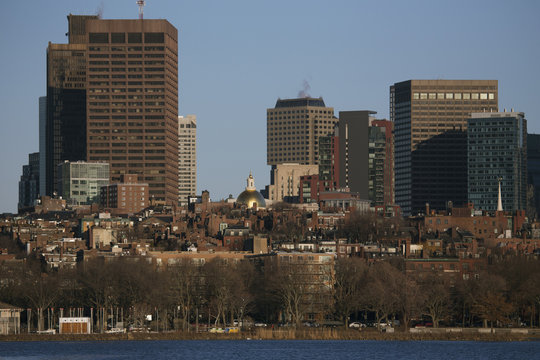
x=353 y=150
x=80 y=182
x=113 y=97
x=29 y=182
x=381 y=162
x=430 y=120
x=293 y=129
x=65 y=128
x=42 y=145
x=285 y=181
x=329 y=161
x=125 y=197
x=187 y=158
x=533 y=170
x=497 y=152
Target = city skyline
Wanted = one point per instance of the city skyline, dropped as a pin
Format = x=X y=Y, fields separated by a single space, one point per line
x=223 y=67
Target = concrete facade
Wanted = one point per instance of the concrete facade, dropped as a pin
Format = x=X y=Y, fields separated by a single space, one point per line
x=187 y=158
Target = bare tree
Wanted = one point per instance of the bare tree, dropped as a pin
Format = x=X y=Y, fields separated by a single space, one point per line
x=409 y=298
x=351 y=274
x=490 y=301
x=436 y=297
x=380 y=292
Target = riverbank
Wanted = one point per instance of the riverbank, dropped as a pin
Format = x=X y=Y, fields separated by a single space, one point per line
x=288 y=334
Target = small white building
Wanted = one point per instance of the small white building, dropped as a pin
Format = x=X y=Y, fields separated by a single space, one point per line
x=10 y=319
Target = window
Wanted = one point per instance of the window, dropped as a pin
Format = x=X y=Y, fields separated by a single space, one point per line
x=134 y=38
x=152 y=37
x=98 y=38
x=118 y=38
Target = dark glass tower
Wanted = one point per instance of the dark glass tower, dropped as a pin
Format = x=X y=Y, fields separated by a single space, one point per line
x=497 y=151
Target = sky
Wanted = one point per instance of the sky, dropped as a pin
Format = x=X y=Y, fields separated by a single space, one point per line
x=237 y=57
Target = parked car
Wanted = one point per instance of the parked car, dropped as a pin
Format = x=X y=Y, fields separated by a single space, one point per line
x=259 y=324
x=357 y=325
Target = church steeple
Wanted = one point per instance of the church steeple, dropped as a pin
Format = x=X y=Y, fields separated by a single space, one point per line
x=499 y=202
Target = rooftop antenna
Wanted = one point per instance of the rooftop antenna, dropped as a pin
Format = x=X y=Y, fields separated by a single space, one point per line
x=141 y=4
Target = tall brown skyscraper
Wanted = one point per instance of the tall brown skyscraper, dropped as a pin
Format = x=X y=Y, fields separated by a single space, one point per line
x=430 y=120
x=129 y=83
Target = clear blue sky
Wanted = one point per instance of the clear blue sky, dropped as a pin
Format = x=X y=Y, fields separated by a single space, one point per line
x=238 y=56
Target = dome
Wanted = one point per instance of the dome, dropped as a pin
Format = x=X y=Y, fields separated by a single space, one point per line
x=251 y=197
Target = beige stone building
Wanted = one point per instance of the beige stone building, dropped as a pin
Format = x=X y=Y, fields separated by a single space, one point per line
x=293 y=128
x=187 y=158
x=285 y=180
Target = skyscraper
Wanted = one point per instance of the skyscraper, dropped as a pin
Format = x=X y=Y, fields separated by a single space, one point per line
x=65 y=129
x=29 y=182
x=42 y=145
x=113 y=97
x=533 y=170
x=293 y=128
x=187 y=158
x=497 y=151
x=430 y=120
x=381 y=162
x=353 y=150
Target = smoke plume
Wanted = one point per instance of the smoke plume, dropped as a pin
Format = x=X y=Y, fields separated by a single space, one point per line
x=304 y=93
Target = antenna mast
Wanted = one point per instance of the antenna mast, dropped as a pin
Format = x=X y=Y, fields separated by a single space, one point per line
x=141 y=6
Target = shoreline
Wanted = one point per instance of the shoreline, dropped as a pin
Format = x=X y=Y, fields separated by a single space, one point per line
x=264 y=334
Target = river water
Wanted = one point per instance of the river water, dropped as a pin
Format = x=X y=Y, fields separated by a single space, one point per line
x=267 y=349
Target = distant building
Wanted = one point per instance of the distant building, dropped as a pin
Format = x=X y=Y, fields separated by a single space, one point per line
x=65 y=129
x=353 y=151
x=293 y=129
x=10 y=319
x=381 y=162
x=430 y=120
x=533 y=167
x=187 y=158
x=29 y=182
x=126 y=197
x=80 y=182
x=42 y=145
x=285 y=181
x=329 y=161
x=112 y=96
x=497 y=151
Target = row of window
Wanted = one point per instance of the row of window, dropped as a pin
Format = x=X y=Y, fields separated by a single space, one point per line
x=455 y=96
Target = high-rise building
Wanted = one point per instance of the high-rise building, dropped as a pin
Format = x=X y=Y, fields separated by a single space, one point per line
x=430 y=120
x=29 y=182
x=497 y=152
x=65 y=129
x=381 y=162
x=533 y=169
x=187 y=158
x=113 y=97
x=80 y=182
x=353 y=150
x=293 y=129
x=42 y=145
x=329 y=161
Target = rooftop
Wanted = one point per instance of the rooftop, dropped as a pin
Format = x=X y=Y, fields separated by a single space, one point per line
x=301 y=102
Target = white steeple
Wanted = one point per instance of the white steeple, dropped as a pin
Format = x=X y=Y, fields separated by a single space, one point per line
x=499 y=202
x=250 y=182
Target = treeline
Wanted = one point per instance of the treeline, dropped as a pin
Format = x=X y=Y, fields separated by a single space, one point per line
x=219 y=291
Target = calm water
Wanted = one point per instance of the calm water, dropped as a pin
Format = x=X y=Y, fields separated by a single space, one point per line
x=254 y=349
